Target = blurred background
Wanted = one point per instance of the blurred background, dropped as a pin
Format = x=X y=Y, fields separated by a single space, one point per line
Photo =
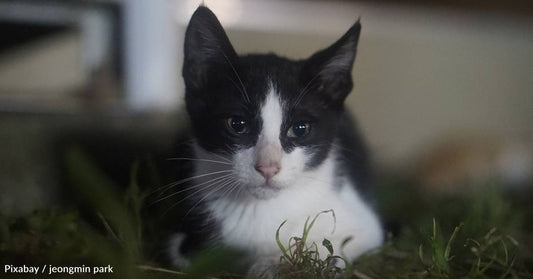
x=443 y=89
x=91 y=109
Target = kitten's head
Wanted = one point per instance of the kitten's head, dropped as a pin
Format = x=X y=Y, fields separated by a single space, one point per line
x=274 y=118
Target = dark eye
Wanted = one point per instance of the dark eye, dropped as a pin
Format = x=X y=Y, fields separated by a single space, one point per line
x=298 y=130
x=237 y=125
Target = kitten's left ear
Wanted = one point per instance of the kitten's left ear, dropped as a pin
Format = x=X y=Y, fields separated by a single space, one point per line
x=329 y=70
x=206 y=47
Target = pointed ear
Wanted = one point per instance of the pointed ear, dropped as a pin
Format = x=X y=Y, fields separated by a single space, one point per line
x=206 y=46
x=328 y=71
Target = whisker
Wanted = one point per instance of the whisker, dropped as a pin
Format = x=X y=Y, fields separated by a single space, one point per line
x=224 y=184
x=245 y=94
x=193 y=141
x=304 y=91
x=173 y=184
x=212 y=184
x=357 y=155
x=189 y=188
x=231 y=188
x=200 y=160
x=222 y=158
x=235 y=84
x=235 y=186
x=196 y=192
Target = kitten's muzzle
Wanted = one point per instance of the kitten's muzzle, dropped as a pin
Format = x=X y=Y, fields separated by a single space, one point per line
x=268 y=160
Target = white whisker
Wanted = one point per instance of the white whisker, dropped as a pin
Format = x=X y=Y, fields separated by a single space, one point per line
x=199 y=160
x=213 y=184
x=192 y=187
x=245 y=94
x=173 y=184
x=224 y=184
x=304 y=91
x=222 y=158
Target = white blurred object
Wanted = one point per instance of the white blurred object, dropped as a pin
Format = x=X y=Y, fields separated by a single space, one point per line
x=151 y=47
x=473 y=163
x=96 y=32
x=516 y=163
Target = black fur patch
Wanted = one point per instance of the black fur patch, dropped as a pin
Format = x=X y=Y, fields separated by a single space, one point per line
x=220 y=84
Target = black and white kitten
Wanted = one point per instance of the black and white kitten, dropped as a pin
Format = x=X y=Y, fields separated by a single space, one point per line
x=272 y=143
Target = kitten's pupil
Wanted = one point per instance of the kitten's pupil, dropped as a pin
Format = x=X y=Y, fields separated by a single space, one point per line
x=237 y=125
x=298 y=130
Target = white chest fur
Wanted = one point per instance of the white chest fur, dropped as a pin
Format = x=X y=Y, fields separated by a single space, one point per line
x=251 y=224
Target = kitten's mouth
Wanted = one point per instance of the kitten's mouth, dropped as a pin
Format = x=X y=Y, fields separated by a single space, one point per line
x=268 y=184
x=265 y=190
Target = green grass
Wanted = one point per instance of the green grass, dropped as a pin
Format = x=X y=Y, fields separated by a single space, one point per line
x=443 y=255
x=479 y=236
x=301 y=259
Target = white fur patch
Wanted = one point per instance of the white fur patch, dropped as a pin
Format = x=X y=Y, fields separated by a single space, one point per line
x=251 y=224
x=175 y=242
x=272 y=117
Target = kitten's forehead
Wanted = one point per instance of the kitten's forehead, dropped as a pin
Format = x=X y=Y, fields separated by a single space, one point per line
x=264 y=73
x=271 y=114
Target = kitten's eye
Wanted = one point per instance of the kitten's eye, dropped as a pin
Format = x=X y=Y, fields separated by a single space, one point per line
x=237 y=125
x=298 y=130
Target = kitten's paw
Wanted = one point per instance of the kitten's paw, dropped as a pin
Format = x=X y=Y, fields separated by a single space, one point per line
x=176 y=258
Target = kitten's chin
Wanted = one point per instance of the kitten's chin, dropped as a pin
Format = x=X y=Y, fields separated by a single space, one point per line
x=265 y=191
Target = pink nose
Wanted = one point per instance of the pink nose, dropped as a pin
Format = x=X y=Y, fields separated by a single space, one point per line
x=267 y=171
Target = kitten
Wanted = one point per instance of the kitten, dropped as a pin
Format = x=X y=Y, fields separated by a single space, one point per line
x=272 y=142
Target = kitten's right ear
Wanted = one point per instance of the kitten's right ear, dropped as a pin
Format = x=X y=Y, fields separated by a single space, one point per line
x=329 y=71
x=206 y=46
